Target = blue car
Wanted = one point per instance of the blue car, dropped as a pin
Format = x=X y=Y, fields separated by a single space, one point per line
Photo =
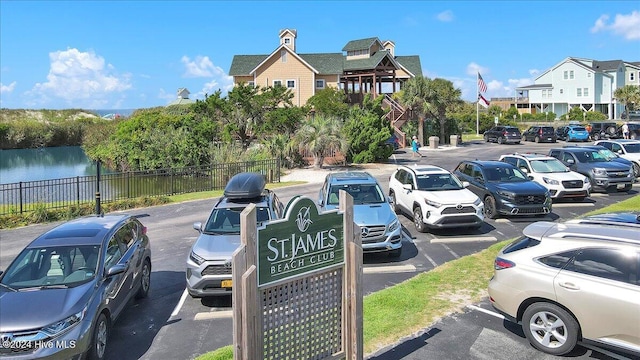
x=577 y=133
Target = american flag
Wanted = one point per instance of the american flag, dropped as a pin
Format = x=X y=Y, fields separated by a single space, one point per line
x=481 y=85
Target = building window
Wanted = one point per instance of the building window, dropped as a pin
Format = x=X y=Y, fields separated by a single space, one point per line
x=550 y=92
x=283 y=56
x=571 y=74
x=588 y=75
x=632 y=76
x=291 y=84
x=566 y=74
x=251 y=83
x=320 y=84
x=585 y=91
x=579 y=92
x=561 y=91
x=277 y=83
x=287 y=41
x=544 y=94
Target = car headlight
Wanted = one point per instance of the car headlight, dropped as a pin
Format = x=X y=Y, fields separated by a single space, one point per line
x=599 y=171
x=432 y=203
x=586 y=180
x=61 y=326
x=506 y=194
x=196 y=258
x=477 y=202
x=551 y=181
x=394 y=225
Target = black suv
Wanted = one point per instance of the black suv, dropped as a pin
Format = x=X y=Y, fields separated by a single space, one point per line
x=604 y=173
x=504 y=188
x=603 y=130
x=503 y=134
x=539 y=134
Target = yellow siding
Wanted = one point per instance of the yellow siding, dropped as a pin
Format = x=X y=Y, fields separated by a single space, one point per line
x=400 y=73
x=244 y=79
x=292 y=69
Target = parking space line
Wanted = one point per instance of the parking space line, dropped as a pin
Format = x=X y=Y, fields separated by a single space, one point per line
x=388 y=269
x=430 y=259
x=213 y=315
x=176 y=310
x=451 y=251
x=501 y=220
x=458 y=239
x=488 y=312
x=565 y=205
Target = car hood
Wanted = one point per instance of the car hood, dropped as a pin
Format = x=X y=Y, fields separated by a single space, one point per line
x=631 y=156
x=562 y=176
x=450 y=197
x=371 y=214
x=34 y=309
x=610 y=165
x=621 y=161
x=216 y=247
x=528 y=187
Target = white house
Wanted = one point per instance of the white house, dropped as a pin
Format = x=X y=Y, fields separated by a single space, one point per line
x=585 y=83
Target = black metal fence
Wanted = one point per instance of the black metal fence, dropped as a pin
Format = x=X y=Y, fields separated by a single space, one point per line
x=61 y=193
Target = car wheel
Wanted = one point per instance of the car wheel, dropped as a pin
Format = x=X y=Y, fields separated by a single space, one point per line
x=537 y=139
x=596 y=137
x=98 y=347
x=417 y=220
x=500 y=140
x=145 y=280
x=636 y=170
x=490 y=207
x=634 y=136
x=550 y=328
x=486 y=138
x=395 y=253
x=394 y=205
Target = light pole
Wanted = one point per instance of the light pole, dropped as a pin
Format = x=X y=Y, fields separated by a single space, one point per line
x=514 y=117
x=584 y=116
x=546 y=116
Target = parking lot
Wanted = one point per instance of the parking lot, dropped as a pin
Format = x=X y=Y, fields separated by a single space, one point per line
x=172 y=325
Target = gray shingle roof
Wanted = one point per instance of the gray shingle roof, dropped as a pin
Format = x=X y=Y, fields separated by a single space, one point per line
x=325 y=63
x=606 y=65
x=360 y=44
x=367 y=63
x=535 y=86
x=243 y=64
x=412 y=63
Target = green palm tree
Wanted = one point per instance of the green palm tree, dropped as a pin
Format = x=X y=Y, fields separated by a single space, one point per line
x=415 y=96
x=318 y=135
x=629 y=95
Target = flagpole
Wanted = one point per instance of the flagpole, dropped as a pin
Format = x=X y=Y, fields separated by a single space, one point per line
x=477 y=103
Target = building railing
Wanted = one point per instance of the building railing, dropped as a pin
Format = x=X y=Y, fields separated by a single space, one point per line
x=26 y=196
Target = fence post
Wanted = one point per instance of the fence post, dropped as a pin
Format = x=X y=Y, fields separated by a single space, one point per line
x=20 y=191
x=78 y=189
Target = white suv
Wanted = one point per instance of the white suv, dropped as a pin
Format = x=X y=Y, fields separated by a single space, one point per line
x=626 y=149
x=552 y=174
x=435 y=198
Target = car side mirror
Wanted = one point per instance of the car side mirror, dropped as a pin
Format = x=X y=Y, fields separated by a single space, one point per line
x=407 y=186
x=530 y=177
x=571 y=161
x=465 y=184
x=197 y=226
x=524 y=170
x=320 y=202
x=116 y=269
x=479 y=179
x=619 y=151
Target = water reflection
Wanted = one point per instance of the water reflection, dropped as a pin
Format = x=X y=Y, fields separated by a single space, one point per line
x=44 y=164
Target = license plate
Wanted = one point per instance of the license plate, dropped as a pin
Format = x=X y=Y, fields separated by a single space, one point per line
x=621 y=186
x=226 y=283
x=548 y=139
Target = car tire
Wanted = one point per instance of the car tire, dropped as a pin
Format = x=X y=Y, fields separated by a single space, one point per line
x=98 y=347
x=596 y=137
x=394 y=205
x=543 y=322
x=396 y=253
x=145 y=280
x=636 y=170
x=486 y=138
x=490 y=207
x=500 y=140
x=417 y=220
x=537 y=139
x=634 y=136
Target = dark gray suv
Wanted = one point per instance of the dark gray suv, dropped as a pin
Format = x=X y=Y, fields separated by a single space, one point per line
x=503 y=134
x=603 y=173
x=63 y=292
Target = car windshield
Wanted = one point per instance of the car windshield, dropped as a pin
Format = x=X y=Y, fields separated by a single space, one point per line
x=578 y=128
x=227 y=220
x=362 y=194
x=632 y=148
x=591 y=156
x=438 y=182
x=505 y=174
x=548 y=166
x=52 y=267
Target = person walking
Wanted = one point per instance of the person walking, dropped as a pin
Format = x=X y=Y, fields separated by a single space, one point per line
x=415 y=145
x=625 y=130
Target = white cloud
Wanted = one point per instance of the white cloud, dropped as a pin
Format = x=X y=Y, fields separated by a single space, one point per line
x=7 y=88
x=474 y=69
x=82 y=79
x=628 y=26
x=200 y=67
x=445 y=16
x=168 y=97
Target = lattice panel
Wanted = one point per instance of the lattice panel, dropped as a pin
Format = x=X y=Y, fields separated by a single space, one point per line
x=302 y=318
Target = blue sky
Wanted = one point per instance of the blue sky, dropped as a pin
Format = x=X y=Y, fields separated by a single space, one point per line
x=136 y=54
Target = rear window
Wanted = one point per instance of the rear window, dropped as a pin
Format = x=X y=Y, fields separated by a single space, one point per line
x=519 y=244
x=559 y=260
x=512 y=129
x=578 y=128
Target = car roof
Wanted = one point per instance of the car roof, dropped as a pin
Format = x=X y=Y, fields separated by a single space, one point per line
x=89 y=230
x=350 y=177
x=576 y=148
x=425 y=169
x=486 y=163
x=595 y=232
x=630 y=218
x=245 y=185
x=531 y=156
x=620 y=141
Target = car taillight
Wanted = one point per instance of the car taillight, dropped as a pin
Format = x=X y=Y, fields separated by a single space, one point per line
x=505 y=133
x=144 y=230
x=500 y=264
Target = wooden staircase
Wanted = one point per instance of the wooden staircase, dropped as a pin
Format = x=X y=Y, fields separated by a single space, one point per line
x=397 y=115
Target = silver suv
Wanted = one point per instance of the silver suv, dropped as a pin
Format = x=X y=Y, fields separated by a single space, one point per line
x=209 y=262
x=570 y=282
x=381 y=230
x=435 y=198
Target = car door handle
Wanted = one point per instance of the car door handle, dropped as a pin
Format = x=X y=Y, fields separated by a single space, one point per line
x=568 y=285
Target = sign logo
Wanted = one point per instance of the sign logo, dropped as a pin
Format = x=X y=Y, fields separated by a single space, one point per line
x=531 y=198
x=303 y=219
x=364 y=231
x=459 y=206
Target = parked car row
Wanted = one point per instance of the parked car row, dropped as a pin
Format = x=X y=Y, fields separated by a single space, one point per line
x=503 y=134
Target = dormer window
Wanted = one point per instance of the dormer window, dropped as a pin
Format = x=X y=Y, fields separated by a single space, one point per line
x=287 y=41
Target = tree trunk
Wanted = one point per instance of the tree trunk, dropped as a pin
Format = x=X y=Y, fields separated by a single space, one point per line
x=318 y=160
x=443 y=133
x=421 y=130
